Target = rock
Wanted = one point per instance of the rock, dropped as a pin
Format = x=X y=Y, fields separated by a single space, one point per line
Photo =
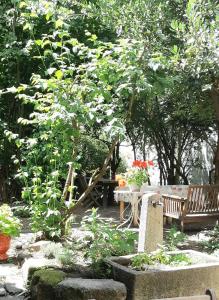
x=19 y=246
x=38 y=246
x=2 y=291
x=83 y=289
x=12 y=288
x=43 y=282
x=33 y=264
x=21 y=257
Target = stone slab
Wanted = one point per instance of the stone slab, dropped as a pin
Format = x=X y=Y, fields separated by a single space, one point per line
x=83 y=289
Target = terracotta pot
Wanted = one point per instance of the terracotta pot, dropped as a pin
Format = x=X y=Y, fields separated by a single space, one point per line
x=5 y=241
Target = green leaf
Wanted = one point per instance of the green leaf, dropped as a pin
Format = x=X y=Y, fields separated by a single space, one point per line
x=59 y=23
x=38 y=42
x=59 y=74
x=190 y=6
x=27 y=26
x=22 y=4
x=48 y=15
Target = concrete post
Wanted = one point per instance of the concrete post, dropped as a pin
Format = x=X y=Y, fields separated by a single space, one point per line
x=151 y=223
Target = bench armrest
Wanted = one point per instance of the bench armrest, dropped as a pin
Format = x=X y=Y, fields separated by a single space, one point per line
x=174 y=205
x=174 y=198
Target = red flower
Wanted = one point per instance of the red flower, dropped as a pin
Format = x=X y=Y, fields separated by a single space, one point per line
x=144 y=164
x=136 y=163
x=150 y=163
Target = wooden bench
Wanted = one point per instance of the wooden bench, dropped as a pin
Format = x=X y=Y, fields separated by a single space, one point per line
x=201 y=204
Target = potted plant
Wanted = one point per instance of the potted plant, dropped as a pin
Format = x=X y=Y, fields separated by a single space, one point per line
x=138 y=174
x=9 y=227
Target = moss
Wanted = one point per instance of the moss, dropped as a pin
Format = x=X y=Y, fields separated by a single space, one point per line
x=48 y=277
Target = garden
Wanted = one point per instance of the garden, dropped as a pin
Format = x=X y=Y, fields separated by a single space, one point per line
x=109 y=113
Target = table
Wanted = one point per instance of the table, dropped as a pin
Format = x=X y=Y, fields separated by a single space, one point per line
x=134 y=199
x=108 y=185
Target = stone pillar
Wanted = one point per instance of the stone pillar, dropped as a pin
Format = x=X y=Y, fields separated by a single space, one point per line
x=151 y=223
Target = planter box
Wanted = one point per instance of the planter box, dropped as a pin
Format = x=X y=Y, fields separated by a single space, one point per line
x=168 y=281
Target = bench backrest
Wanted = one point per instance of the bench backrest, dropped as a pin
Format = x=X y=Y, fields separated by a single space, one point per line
x=178 y=190
x=202 y=199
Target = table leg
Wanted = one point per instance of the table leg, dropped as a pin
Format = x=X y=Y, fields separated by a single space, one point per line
x=135 y=213
x=121 y=210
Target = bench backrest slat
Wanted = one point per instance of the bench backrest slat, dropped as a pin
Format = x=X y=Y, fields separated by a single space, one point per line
x=202 y=199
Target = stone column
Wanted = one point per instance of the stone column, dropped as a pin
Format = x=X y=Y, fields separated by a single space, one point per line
x=151 y=223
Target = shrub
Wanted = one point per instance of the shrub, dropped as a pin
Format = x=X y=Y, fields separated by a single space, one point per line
x=105 y=240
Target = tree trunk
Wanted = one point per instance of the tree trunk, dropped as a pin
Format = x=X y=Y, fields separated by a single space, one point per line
x=215 y=98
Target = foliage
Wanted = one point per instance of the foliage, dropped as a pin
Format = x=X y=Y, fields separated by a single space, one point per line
x=22 y=211
x=212 y=243
x=70 y=70
x=91 y=148
x=137 y=175
x=9 y=224
x=143 y=260
x=104 y=240
x=84 y=85
x=174 y=237
x=63 y=254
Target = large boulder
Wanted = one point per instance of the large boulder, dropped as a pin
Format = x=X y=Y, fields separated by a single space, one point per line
x=43 y=282
x=83 y=289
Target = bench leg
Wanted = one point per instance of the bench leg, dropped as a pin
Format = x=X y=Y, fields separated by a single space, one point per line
x=169 y=220
x=164 y=220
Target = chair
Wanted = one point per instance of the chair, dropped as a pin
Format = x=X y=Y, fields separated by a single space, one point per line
x=95 y=196
x=201 y=204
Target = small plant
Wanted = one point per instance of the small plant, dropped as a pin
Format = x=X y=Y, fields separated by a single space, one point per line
x=174 y=237
x=212 y=243
x=141 y=261
x=9 y=224
x=64 y=255
x=22 y=211
x=105 y=240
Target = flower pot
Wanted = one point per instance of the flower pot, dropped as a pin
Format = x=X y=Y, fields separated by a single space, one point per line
x=134 y=188
x=5 y=241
